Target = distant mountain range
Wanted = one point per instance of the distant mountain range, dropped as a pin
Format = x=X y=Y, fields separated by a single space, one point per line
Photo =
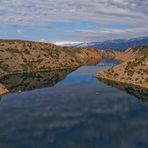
x=118 y=44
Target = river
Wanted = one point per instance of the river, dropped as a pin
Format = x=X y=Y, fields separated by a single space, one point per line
x=71 y=110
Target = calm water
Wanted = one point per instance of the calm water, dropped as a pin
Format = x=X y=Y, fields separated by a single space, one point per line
x=72 y=110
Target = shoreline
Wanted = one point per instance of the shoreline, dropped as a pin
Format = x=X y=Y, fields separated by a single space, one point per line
x=4 y=90
x=42 y=70
x=138 y=91
x=132 y=70
x=119 y=82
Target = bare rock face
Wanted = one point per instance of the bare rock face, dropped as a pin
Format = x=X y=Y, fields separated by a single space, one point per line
x=133 y=69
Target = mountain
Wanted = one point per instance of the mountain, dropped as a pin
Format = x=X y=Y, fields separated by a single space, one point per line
x=117 y=45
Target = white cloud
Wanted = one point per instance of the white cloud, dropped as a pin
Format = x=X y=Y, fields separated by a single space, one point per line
x=67 y=43
x=39 y=12
x=42 y=40
x=19 y=31
x=43 y=12
x=108 y=34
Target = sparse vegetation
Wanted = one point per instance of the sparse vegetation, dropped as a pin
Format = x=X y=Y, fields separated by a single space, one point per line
x=30 y=56
x=134 y=70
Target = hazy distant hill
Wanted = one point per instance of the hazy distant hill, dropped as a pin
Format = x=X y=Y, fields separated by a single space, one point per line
x=119 y=44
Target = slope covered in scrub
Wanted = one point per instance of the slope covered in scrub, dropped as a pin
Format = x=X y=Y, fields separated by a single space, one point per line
x=133 y=69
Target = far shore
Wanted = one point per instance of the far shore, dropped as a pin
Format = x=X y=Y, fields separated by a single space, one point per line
x=4 y=90
x=33 y=71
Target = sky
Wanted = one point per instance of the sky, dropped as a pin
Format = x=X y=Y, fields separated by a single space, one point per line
x=73 y=20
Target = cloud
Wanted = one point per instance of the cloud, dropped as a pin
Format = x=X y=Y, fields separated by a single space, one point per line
x=19 y=31
x=108 y=34
x=38 y=12
x=42 y=40
x=42 y=13
x=67 y=43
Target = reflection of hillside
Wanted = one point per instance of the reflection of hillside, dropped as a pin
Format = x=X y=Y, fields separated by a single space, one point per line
x=30 y=81
x=139 y=92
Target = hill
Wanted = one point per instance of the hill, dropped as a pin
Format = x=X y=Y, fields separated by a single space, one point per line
x=133 y=70
x=26 y=56
x=18 y=56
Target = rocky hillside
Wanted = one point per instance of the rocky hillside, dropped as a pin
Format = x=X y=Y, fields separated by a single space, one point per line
x=19 y=56
x=26 y=56
x=133 y=70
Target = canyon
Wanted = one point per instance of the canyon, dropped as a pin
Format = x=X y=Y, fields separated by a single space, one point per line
x=19 y=57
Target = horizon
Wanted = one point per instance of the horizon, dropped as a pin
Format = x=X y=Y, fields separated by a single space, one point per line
x=70 y=43
x=73 y=21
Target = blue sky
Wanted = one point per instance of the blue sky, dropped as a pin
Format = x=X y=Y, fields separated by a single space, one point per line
x=73 y=20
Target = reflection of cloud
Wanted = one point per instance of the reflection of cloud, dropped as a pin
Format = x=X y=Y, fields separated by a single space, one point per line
x=69 y=111
x=63 y=115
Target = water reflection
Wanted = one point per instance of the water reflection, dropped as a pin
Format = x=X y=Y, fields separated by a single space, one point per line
x=30 y=81
x=139 y=92
x=78 y=112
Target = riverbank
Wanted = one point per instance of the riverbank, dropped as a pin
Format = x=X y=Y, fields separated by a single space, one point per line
x=140 y=92
x=32 y=78
x=42 y=70
x=22 y=82
x=133 y=69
